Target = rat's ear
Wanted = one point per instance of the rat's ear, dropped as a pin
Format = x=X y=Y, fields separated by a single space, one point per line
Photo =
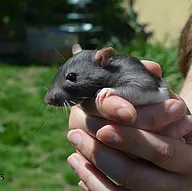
x=104 y=56
x=76 y=49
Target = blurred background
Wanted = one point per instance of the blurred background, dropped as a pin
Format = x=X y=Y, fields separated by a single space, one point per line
x=33 y=36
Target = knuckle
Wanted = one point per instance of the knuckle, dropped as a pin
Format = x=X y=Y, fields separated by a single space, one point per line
x=130 y=180
x=155 y=121
x=76 y=119
x=164 y=154
x=150 y=119
x=88 y=179
x=92 y=157
x=158 y=121
x=131 y=140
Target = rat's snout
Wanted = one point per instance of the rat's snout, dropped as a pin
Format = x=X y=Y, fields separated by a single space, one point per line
x=55 y=99
x=51 y=101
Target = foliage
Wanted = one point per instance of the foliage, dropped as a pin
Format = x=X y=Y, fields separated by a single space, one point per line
x=118 y=22
x=33 y=12
x=16 y=15
x=113 y=18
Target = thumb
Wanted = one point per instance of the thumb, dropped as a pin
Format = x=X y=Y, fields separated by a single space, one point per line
x=112 y=108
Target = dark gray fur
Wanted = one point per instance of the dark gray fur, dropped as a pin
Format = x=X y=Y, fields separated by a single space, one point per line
x=123 y=72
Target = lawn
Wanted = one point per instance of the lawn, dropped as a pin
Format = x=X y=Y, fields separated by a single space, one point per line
x=33 y=144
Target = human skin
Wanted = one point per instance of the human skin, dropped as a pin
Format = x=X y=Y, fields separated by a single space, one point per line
x=110 y=156
x=186 y=91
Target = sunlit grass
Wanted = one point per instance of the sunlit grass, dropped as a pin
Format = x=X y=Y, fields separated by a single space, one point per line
x=33 y=144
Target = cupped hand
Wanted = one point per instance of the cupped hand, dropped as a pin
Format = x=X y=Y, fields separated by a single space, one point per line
x=115 y=110
x=109 y=109
x=111 y=127
x=94 y=160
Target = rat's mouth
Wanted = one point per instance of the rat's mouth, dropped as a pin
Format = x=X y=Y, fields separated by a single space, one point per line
x=64 y=103
x=63 y=100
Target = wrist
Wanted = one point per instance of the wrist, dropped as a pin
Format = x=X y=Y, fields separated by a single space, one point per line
x=189 y=74
x=186 y=91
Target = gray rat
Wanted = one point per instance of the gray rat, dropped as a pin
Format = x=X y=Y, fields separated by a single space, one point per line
x=102 y=72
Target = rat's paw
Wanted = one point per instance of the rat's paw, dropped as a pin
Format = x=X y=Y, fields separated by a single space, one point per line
x=105 y=92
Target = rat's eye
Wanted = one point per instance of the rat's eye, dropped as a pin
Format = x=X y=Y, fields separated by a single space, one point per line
x=72 y=77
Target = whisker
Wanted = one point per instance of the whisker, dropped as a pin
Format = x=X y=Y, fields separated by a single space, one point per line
x=76 y=104
x=83 y=97
x=67 y=108
x=46 y=87
x=79 y=106
x=41 y=101
x=40 y=129
x=60 y=55
x=63 y=110
x=41 y=109
x=59 y=118
x=67 y=114
x=72 y=102
x=68 y=105
x=47 y=108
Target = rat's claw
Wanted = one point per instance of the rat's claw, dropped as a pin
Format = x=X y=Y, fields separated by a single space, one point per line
x=105 y=92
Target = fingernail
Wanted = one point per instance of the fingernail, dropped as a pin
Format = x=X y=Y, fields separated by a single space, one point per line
x=182 y=139
x=107 y=136
x=185 y=126
x=125 y=115
x=177 y=110
x=73 y=162
x=189 y=125
x=82 y=185
x=74 y=137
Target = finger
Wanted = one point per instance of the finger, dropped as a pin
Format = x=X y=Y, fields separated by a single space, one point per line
x=132 y=174
x=152 y=67
x=165 y=152
x=113 y=108
x=91 y=178
x=110 y=106
x=175 y=96
x=82 y=185
x=80 y=120
x=151 y=117
x=178 y=129
x=156 y=116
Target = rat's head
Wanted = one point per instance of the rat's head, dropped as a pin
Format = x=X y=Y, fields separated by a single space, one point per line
x=80 y=77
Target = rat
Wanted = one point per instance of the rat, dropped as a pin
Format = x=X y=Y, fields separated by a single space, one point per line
x=101 y=73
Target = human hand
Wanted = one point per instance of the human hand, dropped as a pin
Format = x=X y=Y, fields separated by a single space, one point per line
x=94 y=160
x=116 y=110
x=86 y=122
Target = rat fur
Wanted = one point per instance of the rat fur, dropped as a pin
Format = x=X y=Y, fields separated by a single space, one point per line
x=88 y=71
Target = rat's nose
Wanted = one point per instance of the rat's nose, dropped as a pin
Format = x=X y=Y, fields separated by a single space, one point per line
x=51 y=101
x=55 y=99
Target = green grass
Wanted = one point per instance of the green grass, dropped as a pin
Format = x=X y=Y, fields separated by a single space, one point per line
x=33 y=144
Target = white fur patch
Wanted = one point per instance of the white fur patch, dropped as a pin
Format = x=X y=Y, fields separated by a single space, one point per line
x=152 y=97
x=139 y=98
